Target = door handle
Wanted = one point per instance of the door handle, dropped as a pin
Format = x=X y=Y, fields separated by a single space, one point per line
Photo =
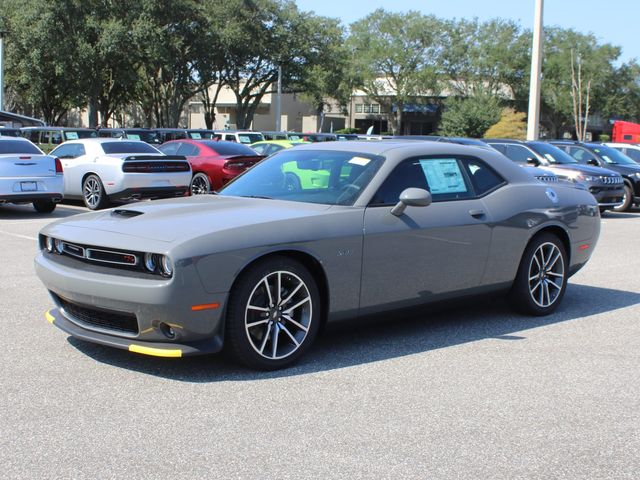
x=476 y=213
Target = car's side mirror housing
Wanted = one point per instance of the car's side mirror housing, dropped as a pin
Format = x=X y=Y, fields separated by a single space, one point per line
x=411 y=197
x=593 y=162
x=533 y=161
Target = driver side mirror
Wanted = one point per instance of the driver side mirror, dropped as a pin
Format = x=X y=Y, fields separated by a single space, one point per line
x=533 y=161
x=411 y=197
x=593 y=162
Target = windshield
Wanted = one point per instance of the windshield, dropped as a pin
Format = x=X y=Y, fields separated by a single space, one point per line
x=553 y=154
x=613 y=156
x=144 y=135
x=18 y=146
x=128 y=147
x=76 y=134
x=248 y=138
x=313 y=176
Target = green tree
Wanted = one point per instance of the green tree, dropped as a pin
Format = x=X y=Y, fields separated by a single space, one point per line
x=398 y=57
x=470 y=116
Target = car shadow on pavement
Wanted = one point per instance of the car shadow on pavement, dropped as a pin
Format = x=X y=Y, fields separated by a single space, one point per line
x=26 y=212
x=372 y=340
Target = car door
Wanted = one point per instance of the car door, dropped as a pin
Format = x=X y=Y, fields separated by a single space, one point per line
x=72 y=156
x=427 y=252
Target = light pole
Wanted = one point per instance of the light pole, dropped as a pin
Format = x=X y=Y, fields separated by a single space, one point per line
x=533 y=129
x=2 y=32
x=279 y=100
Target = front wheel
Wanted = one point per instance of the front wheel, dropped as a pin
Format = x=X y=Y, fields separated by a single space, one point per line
x=627 y=200
x=542 y=276
x=273 y=314
x=93 y=193
x=44 y=206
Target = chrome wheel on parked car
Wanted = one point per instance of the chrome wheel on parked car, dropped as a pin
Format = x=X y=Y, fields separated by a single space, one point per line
x=546 y=275
x=93 y=193
x=274 y=314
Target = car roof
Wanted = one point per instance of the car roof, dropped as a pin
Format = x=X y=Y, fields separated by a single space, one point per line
x=9 y=137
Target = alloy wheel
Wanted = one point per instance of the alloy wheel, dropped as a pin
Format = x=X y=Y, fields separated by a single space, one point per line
x=92 y=192
x=546 y=275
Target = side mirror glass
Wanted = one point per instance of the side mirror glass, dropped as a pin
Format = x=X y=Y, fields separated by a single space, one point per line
x=411 y=197
x=533 y=161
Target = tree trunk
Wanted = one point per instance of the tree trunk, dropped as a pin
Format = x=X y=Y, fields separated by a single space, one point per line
x=93 y=112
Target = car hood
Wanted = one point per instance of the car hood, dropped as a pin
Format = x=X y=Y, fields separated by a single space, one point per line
x=626 y=169
x=180 y=219
x=588 y=169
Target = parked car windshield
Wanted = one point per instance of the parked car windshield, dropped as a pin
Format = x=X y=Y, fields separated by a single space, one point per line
x=228 y=149
x=248 y=138
x=312 y=176
x=17 y=146
x=76 y=134
x=613 y=156
x=127 y=147
x=144 y=135
x=553 y=154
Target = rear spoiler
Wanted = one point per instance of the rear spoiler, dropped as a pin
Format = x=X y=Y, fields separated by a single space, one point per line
x=162 y=158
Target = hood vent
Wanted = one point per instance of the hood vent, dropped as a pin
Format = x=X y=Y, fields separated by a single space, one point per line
x=120 y=212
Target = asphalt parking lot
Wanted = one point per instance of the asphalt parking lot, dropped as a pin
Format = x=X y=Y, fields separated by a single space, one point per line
x=473 y=392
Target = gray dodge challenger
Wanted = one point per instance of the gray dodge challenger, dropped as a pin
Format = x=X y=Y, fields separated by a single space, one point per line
x=314 y=234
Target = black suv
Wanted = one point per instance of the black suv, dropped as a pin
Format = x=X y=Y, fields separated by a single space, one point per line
x=610 y=158
x=606 y=185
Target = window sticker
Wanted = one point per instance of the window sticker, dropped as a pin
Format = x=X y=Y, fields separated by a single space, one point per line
x=72 y=135
x=444 y=176
x=244 y=139
x=359 y=161
x=133 y=136
x=196 y=135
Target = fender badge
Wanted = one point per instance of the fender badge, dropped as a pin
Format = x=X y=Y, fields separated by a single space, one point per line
x=553 y=196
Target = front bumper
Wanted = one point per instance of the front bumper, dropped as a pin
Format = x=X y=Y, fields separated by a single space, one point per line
x=607 y=196
x=92 y=300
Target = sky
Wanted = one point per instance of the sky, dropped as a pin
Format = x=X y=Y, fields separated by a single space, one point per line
x=611 y=21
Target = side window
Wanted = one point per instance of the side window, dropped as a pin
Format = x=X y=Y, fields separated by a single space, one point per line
x=483 y=177
x=187 y=150
x=580 y=154
x=170 y=148
x=64 y=151
x=56 y=138
x=261 y=149
x=501 y=147
x=230 y=138
x=633 y=153
x=408 y=174
x=518 y=153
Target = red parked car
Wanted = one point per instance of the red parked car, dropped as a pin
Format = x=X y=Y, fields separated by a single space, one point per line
x=213 y=162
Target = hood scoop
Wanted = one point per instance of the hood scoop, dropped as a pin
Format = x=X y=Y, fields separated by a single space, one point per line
x=121 y=212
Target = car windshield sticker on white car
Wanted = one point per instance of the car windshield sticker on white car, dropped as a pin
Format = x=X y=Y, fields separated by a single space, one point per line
x=133 y=136
x=72 y=135
x=359 y=161
x=196 y=135
x=443 y=176
x=244 y=139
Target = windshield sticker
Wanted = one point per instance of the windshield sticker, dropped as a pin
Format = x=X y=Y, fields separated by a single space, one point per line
x=606 y=159
x=133 y=136
x=72 y=135
x=244 y=139
x=359 y=161
x=195 y=135
x=443 y=176
x=549 y=157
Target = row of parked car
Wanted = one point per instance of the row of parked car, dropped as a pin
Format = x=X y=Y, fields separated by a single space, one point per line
x=102 y=169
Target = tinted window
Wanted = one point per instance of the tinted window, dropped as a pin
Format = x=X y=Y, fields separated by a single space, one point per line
x=632 y=153
x=188 y=150
x=248 y=138
x=483 y=177
x=519 y=154
x=261 y=149
x=144 y=135
x=111 y=148
x=581 y=155
x=443 y=177
x=229 y=149
x=613 y=156
x=169 y=148
x=501 y=147
x=552 y=153
x=70 y=150
x=230 y=138
x=16 y=146
x=75 y=134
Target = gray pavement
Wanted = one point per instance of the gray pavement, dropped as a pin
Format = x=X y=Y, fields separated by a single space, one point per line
x=474 y=392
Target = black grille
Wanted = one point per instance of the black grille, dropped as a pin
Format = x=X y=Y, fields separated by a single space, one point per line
x=100 y=317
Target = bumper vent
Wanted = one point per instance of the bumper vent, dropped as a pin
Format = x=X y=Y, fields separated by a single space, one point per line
x=611 y=180
x=101 y=318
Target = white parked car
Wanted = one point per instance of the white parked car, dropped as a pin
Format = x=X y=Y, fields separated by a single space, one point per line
x=240 y=136
x=103 y=170
x=631 y=150
x=27 y=175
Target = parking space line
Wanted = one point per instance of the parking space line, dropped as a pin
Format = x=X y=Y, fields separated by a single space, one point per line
x=17 y=235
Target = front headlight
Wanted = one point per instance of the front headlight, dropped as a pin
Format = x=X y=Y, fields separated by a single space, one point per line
x=157 y=263
x=587 y=178
x=48 y=244
x=166 y=267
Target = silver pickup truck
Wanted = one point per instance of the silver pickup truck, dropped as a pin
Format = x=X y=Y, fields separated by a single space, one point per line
x=104 y=170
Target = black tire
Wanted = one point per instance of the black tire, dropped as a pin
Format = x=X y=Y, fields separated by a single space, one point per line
x=93 y=193
x=44 y=206
x=200 y=184
x=254 y=326
x=627 y=201
x=535 y=291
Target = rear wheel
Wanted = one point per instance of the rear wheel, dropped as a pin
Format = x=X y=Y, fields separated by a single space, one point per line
x=44 y=206
x=200 y=184
x=542 y=276
x=627 y=200
x=273 y=314
x=93 y=193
